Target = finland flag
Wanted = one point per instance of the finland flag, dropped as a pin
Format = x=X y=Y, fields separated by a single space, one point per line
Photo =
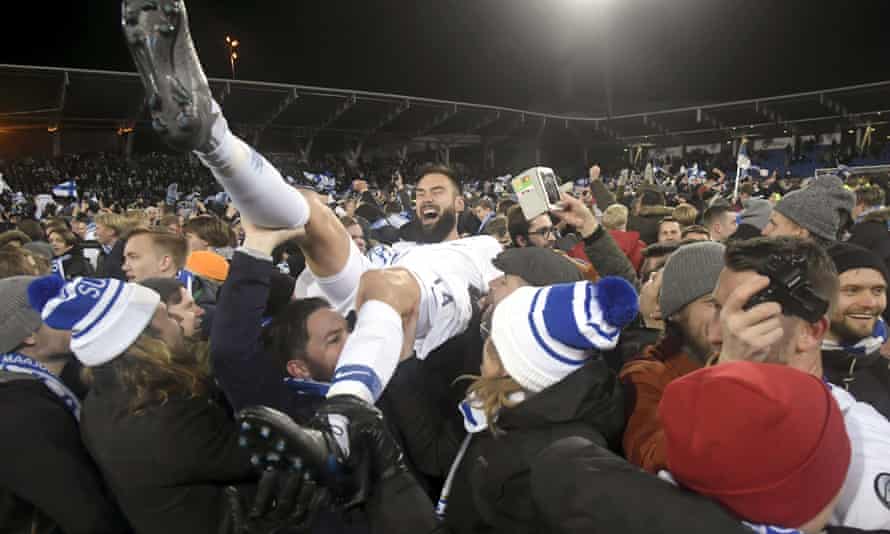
x=66 y=189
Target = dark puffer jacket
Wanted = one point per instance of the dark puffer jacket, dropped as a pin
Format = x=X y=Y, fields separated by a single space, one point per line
x=492 y=489
x=552 y=473
x=646 y=222
x=167 y=467
x=866 y=377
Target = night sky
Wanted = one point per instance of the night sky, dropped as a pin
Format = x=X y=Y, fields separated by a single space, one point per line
x=549 y=55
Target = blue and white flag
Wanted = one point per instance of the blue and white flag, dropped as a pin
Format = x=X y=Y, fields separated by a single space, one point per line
x=743 y=161
x=66 y=189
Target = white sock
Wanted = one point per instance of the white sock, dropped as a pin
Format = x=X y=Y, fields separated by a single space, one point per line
x=256 y=187
x=341 y=288
x=371 y=353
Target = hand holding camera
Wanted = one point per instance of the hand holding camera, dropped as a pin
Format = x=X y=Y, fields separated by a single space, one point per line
x=573 y=212
x=749 y=331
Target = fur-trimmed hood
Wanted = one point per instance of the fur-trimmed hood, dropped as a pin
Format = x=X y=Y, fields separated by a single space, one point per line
x=655 y=211
x=882 y=216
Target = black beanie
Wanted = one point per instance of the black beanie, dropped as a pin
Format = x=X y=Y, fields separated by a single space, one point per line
x=848 y=256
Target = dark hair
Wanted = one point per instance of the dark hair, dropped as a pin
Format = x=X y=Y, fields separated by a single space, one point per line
x=504 y=206
x=870 y=195
x=167 y=288
x=747 y=189
x=712 y=214
x=285 y=337
x=67 y=235
x=437 y=168
x=661 y=249
x=516 y=223
x=391 y=208
x=754 y=254
x=695 y=229
x=485 y=203
x=650 y=197
x=32 y=229
x=496 y=227
x=210 y=229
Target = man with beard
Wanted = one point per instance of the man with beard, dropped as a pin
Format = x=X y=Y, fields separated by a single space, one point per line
x=414 y=305
x=437 y=203
x=686 y=305
x=851 y=348
x=790 y=333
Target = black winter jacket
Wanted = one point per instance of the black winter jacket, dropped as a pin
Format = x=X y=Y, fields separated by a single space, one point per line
x=111 y=265
x=74 y=264
x=646 y=222
x=168 y=466
x=48 y=479
x=552 y=473
x=493 y=490
x=866 y=377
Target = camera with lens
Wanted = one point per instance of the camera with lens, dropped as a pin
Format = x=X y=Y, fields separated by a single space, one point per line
x=790 y=289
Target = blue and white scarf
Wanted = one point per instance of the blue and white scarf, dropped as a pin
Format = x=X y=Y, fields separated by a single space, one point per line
x=305 y=386
x=767 y=529
x=187 y=278
x=14 y=362
x=863 y=347
x=58 y=265
x=759 y=529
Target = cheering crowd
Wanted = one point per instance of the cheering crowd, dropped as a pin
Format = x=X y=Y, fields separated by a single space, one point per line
x=652 y=354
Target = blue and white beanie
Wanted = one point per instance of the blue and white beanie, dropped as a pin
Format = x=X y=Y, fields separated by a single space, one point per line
x=104 y=316
x=544 y=334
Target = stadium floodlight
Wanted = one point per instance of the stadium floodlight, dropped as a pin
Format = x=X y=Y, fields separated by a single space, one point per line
x=232 y=45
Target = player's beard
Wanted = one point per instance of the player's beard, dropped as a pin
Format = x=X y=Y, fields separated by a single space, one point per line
x=439 y=230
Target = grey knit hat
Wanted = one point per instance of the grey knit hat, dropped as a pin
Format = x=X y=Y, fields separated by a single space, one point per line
x=690 y=273
x=756 y=212
x=19 y=319
x=538 y=266
x=817 y=206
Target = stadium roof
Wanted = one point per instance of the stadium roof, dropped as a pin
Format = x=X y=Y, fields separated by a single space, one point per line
x=275 y=115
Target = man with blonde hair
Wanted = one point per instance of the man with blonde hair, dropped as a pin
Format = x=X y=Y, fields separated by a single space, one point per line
x=111 y=232
x=685 y=214
x=615 y=221
x=615 y=217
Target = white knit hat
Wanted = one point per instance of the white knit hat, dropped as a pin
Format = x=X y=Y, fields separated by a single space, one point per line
x=104 y=316
x=544 y=334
